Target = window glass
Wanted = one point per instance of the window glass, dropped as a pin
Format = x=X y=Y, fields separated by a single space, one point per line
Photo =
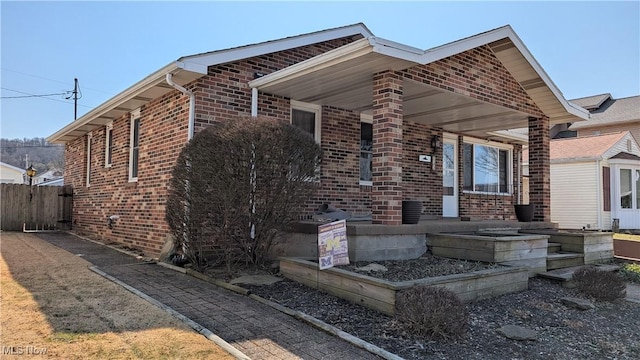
x=625 y=189
x=366 y=151
x=448 y=163
x=135 y=147
x=109 y=146
x=638 y=189
x=305 y=120
x=467 y=154
x=486 y=168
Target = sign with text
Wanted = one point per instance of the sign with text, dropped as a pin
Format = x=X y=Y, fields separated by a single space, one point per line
x=332 y=244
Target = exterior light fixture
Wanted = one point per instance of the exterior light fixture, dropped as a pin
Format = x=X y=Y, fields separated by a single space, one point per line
x=435 y=142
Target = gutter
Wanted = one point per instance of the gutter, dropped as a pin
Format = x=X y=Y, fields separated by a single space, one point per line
x=192 y=103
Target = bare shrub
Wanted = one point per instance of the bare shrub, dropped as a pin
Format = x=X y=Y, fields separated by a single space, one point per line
x=601 y=285
x=236 y=186
x=432 y=312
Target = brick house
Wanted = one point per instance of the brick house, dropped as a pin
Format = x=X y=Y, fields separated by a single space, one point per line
x=386 y=115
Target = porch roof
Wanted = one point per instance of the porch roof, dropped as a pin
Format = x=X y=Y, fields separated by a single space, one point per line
x=343 y=78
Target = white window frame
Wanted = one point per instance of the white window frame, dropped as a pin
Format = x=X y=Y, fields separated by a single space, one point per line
x=88 y=177
x=108 y=145
x=135 y=115
x=312 y=108
x=365 y=118
x=499 y=146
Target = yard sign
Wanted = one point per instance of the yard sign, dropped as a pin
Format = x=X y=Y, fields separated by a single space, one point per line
x=332 y=244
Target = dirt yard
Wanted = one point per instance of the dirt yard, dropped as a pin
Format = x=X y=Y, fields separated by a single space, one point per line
x=51 y=304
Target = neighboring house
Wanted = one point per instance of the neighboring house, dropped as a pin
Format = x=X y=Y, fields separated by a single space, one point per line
x=48 y=175
x=386 y=115
x=608 y=115
x=595 y=179
x=10 y=174
x=52 y=182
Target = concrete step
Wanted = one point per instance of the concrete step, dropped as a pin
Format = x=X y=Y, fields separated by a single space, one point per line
x=564 y=260
x=553 y=248
x=565 y=275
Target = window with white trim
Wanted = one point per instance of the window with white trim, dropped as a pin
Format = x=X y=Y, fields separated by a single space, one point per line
x=366 y=149
x=307 y=117
x=88 y=178
x=486 y=167
x=134 y=146
x=108 y=145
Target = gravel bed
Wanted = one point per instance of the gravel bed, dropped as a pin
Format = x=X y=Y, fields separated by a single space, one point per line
x=610 y=331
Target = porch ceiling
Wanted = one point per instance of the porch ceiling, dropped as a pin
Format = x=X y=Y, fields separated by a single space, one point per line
x=343 y=78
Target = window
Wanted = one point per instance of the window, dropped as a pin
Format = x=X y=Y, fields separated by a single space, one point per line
x=88 y=179
x=606 y=188
x=486 y=168
x=108 y=145
x=626 y=191
x=366 y=150
x=134 y=145
x=307 y=117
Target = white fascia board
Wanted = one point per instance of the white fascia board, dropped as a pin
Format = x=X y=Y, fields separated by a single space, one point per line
x=355 y=49
x=249 y=51
x=510 y=136
x=624 y=162
x=396 y=50
x=142 y=85
x=576 y=160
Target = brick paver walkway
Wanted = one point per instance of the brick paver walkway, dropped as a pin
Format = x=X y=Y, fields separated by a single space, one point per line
x=257 y=330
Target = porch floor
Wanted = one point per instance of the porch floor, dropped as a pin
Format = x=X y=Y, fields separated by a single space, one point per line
x=426 y=226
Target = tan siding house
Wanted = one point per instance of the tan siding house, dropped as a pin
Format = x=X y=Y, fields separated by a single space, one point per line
x=594 y=180
x=10 y=174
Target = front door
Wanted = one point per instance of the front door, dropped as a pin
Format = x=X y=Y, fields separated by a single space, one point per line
x=449 y=178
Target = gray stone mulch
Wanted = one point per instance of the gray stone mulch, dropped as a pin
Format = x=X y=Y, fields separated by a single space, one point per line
x=608 y=331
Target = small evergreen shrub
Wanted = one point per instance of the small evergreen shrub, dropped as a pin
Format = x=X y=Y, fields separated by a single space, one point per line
x=601 y=285
x=432 y=312
x=631 y=272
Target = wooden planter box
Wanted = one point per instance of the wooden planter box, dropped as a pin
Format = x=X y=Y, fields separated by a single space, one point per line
x=627 y=249
x=596 y=246
x=380 y=294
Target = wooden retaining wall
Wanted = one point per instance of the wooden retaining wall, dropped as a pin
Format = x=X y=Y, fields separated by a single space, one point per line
x=380 y=294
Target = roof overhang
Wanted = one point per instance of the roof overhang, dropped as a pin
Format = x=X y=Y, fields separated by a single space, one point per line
x=130 y=99
x=186 y=70
x=343 y=78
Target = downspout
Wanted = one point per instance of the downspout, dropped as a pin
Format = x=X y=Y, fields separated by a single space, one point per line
x=599 y=194
x=254 y=102
x=192 y=103
x=519 y=180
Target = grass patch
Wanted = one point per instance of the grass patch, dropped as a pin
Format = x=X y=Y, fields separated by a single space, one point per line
x=630 y=237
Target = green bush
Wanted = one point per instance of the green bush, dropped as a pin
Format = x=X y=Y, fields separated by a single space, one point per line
x=432 y=312
x=631 y=272
x=601 y=285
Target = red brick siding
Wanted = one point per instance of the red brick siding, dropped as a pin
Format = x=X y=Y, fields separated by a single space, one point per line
x=163 y=132
x=419 y=180
x=540 y=168
x=476 y=73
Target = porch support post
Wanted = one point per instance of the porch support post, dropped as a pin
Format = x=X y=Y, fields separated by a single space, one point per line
x=539 y=168
x=386 y=195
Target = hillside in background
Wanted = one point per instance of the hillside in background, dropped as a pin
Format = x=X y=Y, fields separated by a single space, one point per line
x=37 y=152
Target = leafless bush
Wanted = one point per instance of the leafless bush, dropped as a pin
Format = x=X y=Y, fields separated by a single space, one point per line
x=432 y=312
x=236 y=185
x=601 y=285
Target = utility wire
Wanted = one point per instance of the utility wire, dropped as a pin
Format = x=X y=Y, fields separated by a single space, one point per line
x=30 y=96
x=46 y=98
x=48 y=79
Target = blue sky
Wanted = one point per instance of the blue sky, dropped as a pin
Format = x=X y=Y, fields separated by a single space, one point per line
x=586 y=48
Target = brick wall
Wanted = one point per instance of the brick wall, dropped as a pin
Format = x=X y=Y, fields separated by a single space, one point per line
x=224 y=93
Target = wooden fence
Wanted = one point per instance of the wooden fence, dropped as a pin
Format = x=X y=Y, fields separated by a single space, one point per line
x=35 y=207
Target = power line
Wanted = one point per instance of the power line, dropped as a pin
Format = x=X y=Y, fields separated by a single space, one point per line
x=48 y=79
x=46 y=98
x=30 y=96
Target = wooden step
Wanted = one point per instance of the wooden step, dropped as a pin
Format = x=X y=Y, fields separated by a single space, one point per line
x=564 y=260
x=565 y=275
x=553 y=248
